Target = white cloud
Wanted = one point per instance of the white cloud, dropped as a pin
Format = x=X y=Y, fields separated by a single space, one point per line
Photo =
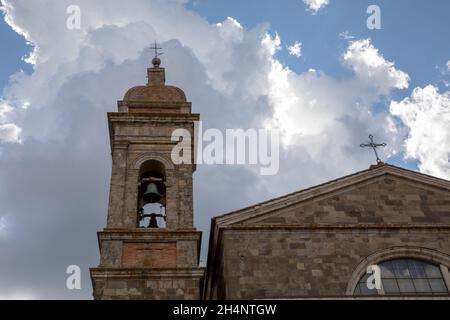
x=231 y=29
x=271 y=44
x=370 y=66
x=320 y=112
x=346 y=35
x=4 y=109
x=426 y=113
x=316 y=5
x=448 y=65
x=295 y=49
x=9 y=132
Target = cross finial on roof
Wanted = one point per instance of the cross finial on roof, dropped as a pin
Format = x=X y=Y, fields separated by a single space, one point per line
x=156 y=48
x=156 y=61
x=374 y=146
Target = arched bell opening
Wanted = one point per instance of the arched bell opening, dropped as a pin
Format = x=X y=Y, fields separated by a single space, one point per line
x=152 y=195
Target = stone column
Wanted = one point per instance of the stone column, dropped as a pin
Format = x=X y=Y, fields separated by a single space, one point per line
x=117 y=188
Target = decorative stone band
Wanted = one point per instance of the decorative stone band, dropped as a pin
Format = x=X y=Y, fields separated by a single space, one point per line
x=149 y=234
x=147 y=273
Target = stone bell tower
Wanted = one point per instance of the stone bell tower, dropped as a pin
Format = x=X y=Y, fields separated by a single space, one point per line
x=149 y=248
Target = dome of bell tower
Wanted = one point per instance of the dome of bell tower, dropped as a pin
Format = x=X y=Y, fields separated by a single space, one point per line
x=156 y=90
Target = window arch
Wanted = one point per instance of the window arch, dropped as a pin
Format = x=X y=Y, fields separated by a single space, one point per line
x=405 y=276
x=152 y=195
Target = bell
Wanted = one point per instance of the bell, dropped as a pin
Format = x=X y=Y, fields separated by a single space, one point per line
x=151 y=195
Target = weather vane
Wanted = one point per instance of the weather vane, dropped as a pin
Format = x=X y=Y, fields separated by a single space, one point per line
x=156 y=48
x=374 y=146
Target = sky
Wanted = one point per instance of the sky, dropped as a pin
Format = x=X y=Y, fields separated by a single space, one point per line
x=309 y=68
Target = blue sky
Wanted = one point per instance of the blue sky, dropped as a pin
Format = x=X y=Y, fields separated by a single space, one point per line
x=11 y=59
x=414 y=33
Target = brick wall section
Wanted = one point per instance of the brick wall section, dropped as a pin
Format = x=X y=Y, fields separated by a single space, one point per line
x=148 y=264
x=151 y=255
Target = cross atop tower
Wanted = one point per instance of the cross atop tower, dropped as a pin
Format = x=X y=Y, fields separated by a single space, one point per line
x=156 y=61
x=374 y=146
x=156 y=75
x=156 y=48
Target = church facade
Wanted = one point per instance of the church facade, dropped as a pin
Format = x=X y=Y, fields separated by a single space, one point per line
x=314 y=243
x=319 y=242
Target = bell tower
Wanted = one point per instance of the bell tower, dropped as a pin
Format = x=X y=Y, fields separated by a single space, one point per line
x=149 y=248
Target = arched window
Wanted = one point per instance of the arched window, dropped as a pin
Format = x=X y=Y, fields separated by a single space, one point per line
x=405 y=277
x=152 y=195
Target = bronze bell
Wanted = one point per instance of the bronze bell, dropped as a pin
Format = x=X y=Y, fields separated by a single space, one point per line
x=151 y=195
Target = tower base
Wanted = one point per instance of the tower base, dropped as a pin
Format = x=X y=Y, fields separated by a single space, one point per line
x=147 y=284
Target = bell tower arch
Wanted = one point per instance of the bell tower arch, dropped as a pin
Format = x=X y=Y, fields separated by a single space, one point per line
x=149 y=248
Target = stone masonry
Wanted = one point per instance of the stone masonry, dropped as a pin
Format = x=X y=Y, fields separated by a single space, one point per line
x=318 y=242
x=143 y=263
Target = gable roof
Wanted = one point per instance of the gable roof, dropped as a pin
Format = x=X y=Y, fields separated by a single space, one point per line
x=262 y=208
x=374 y=171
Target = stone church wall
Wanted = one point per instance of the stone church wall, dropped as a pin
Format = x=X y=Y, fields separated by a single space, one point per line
x=313 y=263
x=313 y=248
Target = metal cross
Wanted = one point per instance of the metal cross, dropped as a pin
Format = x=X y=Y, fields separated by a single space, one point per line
x=156 y=48
x=374 y=146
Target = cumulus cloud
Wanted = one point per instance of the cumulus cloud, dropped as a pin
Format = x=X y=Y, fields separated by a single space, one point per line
x=322 y=120
x=9 y=132
x=448 y=65
x=370 y=66
x=315 y=5
x=426 y=113
x=295 y=49
x=310 y=108
x=78 y=75
x=229 y=73
x=231 y=29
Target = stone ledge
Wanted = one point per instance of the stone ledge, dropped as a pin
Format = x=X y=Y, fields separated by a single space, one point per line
x=146 y=117
x=151 y=233
x=147 y=273
x=157 y=104
x=335 y=226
